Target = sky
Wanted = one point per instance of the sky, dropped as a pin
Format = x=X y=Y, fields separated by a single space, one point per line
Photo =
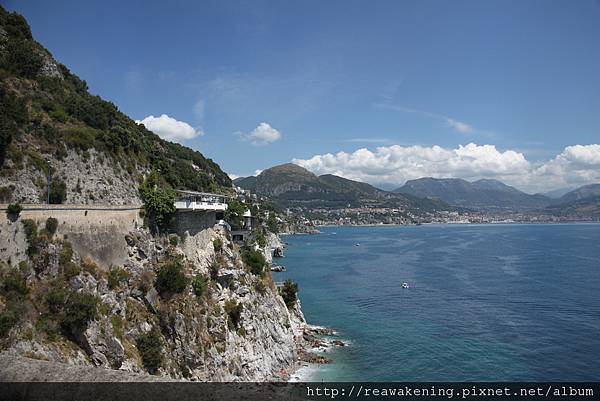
x=380 y=92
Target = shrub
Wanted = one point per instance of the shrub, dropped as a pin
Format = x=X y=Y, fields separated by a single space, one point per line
x=234 y=214
x=170 y=278
x=88 y=265
x=71 y=270
x=79 y=310
x=58 y=191
x=8 y=320
x=56 y=297
x=173 y=240
x=214 y=270
x=14 y=282
x=31 y=235
x=30 y=228
x=150 y=347
x=272 y=223
x=234 y=313
x=217 y=245
x=65 y=255
x=289 y=293
x=51 y=225
x=261 y=240
x=117 y=276
x=199 y=285
x=117 y=324
x=159 y=202
x=255 y=261
x=14 y=209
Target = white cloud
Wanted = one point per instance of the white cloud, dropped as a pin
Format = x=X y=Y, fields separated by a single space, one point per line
x=199 y=108
x=458 y=126
x=169 y=128
x=264 y=134
x=576 y=165
x=234 y=176
x=257 y=172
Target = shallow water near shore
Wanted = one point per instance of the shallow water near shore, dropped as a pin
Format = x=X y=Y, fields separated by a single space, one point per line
x=486 y=302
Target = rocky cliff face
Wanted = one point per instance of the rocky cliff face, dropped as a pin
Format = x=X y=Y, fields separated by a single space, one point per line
x=223 y=323
x=87 y=178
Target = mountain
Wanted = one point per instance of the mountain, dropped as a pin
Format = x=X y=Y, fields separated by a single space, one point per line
x=581 y=193
x=51 y=123
x=483 y=194
x=290 y=184
x=557 y=193
x=581 y=202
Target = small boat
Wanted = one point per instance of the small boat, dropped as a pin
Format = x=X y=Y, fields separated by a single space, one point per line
x=278 y=268
x=357 y=244
x=405 y=285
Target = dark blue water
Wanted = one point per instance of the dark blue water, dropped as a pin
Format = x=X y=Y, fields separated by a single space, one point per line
x=489 y=302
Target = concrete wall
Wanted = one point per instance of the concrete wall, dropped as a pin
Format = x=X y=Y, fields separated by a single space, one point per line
x=191 y=223
x=95 y=231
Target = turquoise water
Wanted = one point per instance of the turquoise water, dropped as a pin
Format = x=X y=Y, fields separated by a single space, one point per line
x=486 y=302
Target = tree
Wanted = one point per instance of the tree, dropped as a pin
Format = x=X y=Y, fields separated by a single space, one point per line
x=234 y=214
x=255 y=261
x=272 y=223
x=289 y=293
x=150 y=346
x=14 y=209
x=170 y=278
x=234 y=312
x=51 y=225
x=159 y=202
x=199 y=285
x=58 y=191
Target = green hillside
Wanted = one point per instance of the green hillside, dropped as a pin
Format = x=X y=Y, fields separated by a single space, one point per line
x=47 y=112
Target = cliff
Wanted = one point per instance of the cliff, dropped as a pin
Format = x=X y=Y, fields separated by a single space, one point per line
x=178 y=307
x=51 y=126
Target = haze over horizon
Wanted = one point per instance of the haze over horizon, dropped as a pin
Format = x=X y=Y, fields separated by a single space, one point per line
x=380 y=93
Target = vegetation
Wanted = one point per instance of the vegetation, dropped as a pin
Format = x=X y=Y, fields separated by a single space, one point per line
x=255 y=261
x=217 y=245
x=199 y=285
x=159 y=202
x=150 y=347
x=62 y=115
x=70 y=310
x=51 y=225
x=261 y=240
x=234 y=214
x=14 y=209
x=31 y=235
x=234 y=313
x=58 y=191
x=173 y=240
x=14 y=282
x=272 y=224
x=289 y=293
x=116 y=277
x=13 y=287
x=170 y=278
x=79 y=310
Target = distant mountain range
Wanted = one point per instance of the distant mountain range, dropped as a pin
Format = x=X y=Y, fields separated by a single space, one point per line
x=583 y=201
x=480 y=195
x=290 y=184
x=493 y=195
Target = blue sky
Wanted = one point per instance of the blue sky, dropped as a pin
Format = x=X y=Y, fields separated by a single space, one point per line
x=395 y=78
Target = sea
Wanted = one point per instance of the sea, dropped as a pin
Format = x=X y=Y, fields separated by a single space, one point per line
x=498 y=302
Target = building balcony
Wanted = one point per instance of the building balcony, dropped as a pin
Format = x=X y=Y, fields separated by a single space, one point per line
x=192 y=205
x=191 y=201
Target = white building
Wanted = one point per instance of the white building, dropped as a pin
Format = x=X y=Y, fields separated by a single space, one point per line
x=202 y=201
